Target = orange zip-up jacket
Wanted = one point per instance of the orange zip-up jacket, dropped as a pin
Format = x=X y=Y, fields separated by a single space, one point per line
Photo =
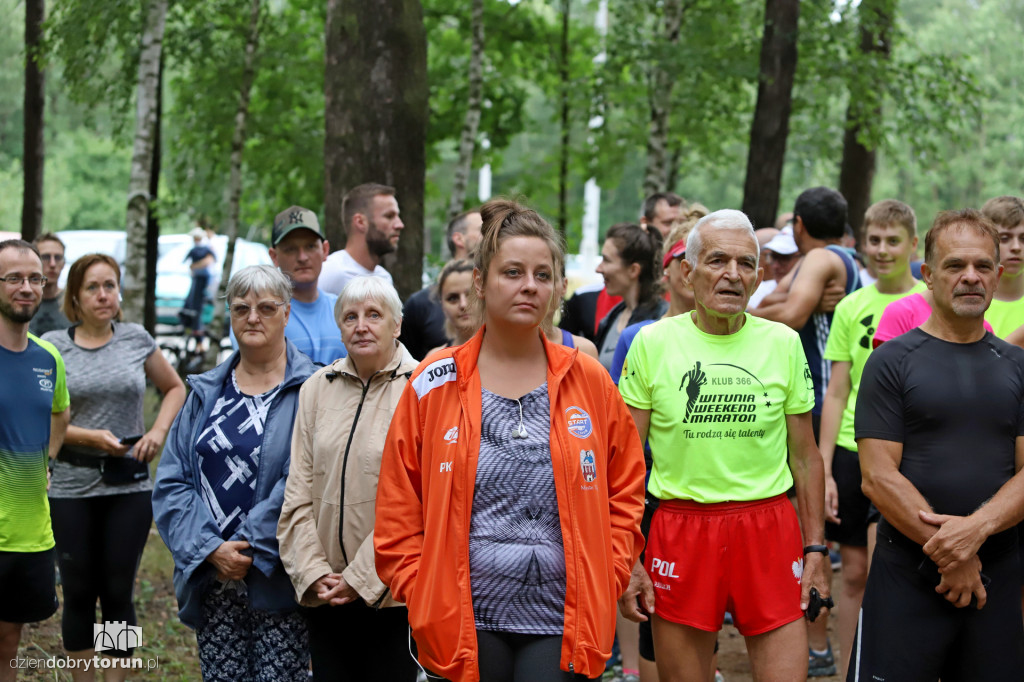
x=425 y=499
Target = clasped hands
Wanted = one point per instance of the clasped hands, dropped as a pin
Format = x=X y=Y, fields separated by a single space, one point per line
x=333 y=589
x=954 y=549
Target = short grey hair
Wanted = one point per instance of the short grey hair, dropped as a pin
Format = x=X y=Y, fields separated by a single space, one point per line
x=724 y=219
x=369 y=287
x=261 y=279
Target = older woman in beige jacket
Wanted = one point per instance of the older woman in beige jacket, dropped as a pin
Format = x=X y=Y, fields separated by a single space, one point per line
x=356 y=630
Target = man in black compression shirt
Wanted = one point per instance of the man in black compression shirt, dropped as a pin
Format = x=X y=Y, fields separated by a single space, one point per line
x=940 y=432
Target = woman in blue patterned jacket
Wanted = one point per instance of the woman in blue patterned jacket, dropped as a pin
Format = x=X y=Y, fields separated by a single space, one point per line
x=219 y=489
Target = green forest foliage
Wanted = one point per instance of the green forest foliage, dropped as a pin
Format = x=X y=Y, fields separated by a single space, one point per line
x=949 y=134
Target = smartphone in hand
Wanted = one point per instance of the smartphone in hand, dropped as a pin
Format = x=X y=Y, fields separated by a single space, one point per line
x=131 y=440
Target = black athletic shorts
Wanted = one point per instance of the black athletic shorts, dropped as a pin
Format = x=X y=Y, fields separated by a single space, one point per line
x=1020 y=549
x=28 y=591
x=646 y=640
x=646 y=636
x=909 y=633
x=853 y=504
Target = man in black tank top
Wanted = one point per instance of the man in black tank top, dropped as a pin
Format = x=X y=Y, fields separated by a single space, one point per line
x=805 y=299
x=940 y=432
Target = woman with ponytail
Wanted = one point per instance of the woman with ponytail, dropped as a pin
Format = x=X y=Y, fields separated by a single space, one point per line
x=631 y=268
x=511 y=486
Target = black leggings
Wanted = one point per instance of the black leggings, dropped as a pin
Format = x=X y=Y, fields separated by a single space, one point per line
x=99 y=545
x=356 y=642
x=513 y=657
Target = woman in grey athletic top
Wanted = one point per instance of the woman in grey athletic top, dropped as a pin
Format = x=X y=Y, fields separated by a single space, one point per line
x=100 y=491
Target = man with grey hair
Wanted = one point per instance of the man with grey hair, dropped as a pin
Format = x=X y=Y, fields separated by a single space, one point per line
x=724 y=400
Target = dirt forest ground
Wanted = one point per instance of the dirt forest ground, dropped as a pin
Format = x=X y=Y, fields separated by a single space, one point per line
x=170 y=647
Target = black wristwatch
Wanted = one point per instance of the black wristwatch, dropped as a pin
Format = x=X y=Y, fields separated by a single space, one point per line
x=816 y=548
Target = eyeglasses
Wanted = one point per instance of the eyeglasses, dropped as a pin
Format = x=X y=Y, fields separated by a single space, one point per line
x=16 y=280
x=55 y=257
x=264 y=309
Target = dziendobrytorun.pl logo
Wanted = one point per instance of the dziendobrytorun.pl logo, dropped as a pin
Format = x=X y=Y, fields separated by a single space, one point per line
x=109 y=636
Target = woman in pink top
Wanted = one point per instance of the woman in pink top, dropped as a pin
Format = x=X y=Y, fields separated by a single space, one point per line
x=903 y=315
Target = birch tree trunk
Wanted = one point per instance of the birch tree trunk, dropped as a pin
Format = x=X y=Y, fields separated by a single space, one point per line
x=472 y=123
x=857 y=169
x=660 y=97
x=152 y=219
x=770 y=128
x=563 y=161
x=133 y=283
x=34 y=103
x=233 y=194
x=375 y=97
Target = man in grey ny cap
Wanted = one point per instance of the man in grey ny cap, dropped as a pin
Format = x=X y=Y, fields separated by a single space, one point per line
x=298 y=249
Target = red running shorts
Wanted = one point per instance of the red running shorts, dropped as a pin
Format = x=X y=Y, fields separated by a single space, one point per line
x=742 y=557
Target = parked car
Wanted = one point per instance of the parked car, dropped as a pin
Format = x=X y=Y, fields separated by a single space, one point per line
x=173 y=278
x=77 y=243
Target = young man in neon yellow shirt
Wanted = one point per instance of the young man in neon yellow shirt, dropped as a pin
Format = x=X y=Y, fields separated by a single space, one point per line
x=1007 y=310
x=890 y=241
x=725 y=399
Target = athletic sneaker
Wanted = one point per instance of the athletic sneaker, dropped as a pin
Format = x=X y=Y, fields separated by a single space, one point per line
x=821 y=665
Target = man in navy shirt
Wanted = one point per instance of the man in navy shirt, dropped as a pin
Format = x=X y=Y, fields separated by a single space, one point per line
x=202 y=258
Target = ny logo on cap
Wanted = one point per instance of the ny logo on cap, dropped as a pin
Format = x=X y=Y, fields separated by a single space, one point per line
x=295 y=217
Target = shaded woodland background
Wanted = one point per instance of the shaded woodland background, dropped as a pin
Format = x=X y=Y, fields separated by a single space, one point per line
x=154 y=115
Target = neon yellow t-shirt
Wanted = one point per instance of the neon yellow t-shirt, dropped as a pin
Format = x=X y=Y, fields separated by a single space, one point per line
x=36 y=388
x=718 y=406
x=1005 y=316
x=851 y=339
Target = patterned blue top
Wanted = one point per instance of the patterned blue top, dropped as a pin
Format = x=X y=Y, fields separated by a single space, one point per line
x=516 y=557
x=229 y=454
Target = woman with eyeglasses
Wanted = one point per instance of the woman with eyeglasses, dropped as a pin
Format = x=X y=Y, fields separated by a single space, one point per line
x=219 y=489
x=356 y=628
x=100 y=490
x=511 y=484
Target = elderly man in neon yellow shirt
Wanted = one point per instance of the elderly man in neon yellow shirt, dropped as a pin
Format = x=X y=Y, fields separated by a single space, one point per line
x=725 y=401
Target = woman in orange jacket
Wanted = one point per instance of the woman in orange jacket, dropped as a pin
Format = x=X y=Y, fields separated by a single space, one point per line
x=511 y=485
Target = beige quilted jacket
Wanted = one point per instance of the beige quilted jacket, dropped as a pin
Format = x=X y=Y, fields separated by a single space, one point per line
x=340 y=427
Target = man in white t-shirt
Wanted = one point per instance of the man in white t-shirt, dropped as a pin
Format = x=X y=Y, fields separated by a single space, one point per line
x=372 y=225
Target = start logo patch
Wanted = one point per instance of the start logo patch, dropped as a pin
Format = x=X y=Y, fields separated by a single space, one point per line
x=578 y=422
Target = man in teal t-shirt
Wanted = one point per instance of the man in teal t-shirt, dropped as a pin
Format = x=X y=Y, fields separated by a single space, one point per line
x=34 y=405
x=890 y=242
x=725 y=401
